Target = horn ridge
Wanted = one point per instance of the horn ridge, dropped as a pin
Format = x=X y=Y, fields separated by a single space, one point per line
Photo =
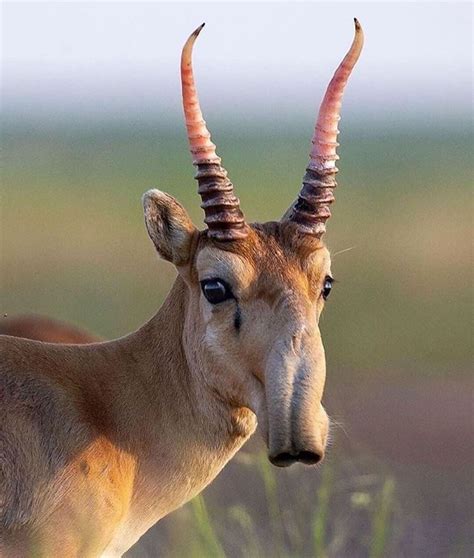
x=223 y=216
x=311 y=210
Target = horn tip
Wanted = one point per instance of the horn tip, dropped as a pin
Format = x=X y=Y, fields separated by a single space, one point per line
x=357 y=24
x=198 y=30
x=188 y=48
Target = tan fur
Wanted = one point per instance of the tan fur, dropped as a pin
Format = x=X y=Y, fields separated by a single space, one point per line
x=100 y=441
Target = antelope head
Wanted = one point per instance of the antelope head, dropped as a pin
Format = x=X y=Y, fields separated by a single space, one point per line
x=255 y=292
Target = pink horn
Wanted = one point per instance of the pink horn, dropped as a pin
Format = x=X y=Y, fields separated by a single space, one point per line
x=311 y=210
x=222 y=212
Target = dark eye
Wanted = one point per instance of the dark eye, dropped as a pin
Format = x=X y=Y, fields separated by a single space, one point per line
x=216 y=290
x=328 y=281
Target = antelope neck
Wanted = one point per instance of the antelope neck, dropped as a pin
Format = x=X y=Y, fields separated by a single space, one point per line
x=177 y=392
x=179 y=432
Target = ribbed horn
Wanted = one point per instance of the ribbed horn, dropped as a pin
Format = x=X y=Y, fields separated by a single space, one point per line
x=311 y=210
x=222 y=211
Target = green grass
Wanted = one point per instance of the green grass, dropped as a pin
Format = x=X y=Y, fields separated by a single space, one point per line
x=331 y=533
x=275 y=519
x=381 y=520
x=242 y=517
x=206 y=542
x=320 y=521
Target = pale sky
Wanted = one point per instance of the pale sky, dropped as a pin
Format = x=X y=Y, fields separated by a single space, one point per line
x=257 y=58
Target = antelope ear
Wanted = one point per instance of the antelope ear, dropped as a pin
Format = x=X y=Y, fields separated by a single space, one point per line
x=169 y=226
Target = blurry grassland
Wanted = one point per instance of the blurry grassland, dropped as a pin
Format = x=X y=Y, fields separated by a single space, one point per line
x=333 y=516
x=74 y=244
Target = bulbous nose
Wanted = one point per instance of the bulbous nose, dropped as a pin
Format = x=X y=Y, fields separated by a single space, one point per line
x=305 y=456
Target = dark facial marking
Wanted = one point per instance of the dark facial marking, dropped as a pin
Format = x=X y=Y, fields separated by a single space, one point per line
x=237 y=318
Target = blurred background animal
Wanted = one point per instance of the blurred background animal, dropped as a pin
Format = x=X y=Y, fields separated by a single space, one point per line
x=43 y=328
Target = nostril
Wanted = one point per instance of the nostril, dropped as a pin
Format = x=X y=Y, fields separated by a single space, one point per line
x=283 y=459
x=308 y=457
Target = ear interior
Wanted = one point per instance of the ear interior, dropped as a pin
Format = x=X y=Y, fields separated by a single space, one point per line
x=169 y=226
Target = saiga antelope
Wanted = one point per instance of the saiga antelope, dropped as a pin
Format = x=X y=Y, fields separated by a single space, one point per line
x=100 y=441
x=46 y=329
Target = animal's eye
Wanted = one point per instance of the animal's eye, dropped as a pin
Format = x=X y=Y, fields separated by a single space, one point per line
x=328 y=281
x=216 y=290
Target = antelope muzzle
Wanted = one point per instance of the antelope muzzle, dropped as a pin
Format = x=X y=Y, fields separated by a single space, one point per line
x=297 y=422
